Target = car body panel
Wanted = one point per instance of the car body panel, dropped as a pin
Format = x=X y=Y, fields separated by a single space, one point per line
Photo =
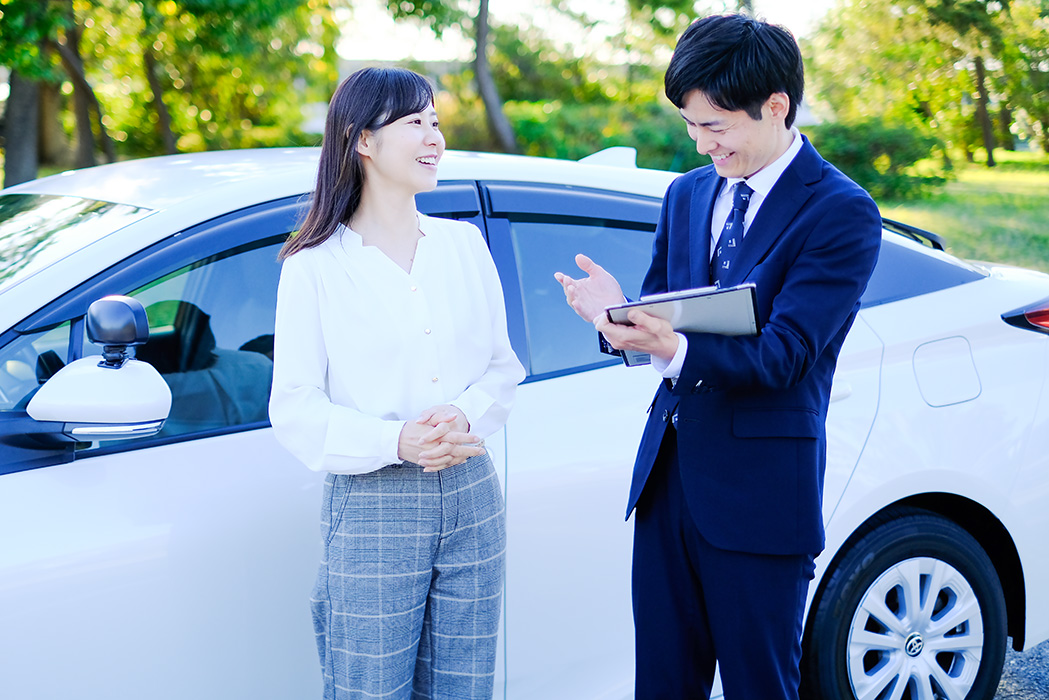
x=177 y=566
x=990 y=435
x=126 y=561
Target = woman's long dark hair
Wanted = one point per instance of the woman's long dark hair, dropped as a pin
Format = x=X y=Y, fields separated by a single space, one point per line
x=369 y=99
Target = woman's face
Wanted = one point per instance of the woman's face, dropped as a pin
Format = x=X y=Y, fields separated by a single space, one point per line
x=404 y=153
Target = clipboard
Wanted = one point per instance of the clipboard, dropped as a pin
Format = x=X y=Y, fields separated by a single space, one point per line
x=728 y=311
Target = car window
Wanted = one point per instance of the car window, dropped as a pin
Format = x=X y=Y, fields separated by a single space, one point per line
x=28 y=361
x=907 y=269
x=211 y=338
x=558 y=340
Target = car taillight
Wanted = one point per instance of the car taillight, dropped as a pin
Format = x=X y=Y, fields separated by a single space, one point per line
x=1033 y=318
x=1039 y=317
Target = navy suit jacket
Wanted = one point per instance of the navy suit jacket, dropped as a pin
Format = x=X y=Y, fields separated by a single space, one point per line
x=752 y=410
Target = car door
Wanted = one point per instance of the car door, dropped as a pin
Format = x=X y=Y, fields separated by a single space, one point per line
x=570 y=441
x=179 y=565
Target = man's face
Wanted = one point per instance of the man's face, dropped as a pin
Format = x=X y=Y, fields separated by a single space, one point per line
x=740 y=146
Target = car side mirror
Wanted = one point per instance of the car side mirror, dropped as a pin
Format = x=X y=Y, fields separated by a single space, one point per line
x=109 y=396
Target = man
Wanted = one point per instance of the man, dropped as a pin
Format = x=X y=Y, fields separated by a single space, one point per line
x=728 y=481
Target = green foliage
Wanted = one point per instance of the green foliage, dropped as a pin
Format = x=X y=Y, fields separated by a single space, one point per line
x=24 y=27
x=572 y=131
x=565 y=105
x=880 y=158
x=231 y=73
x=436 y=14
x=665 y=18
x=1025 y=59
x=528 y=67
x=914 y=63
x=996 y=215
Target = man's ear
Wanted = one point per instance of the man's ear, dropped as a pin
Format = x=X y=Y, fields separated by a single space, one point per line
x=778 y=105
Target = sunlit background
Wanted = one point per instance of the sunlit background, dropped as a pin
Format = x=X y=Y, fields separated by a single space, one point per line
x=370 y=33
x=898 y=94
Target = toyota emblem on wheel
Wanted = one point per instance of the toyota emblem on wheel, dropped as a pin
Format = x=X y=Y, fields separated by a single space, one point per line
x=914 y=644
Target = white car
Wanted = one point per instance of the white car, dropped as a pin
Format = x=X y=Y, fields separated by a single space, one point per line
x=177 y=564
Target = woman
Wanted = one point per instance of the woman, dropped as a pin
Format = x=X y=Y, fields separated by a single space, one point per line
x=391 y=365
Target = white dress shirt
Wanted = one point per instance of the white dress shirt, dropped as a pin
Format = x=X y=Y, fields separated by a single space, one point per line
x=762 y=183
x=362 y=346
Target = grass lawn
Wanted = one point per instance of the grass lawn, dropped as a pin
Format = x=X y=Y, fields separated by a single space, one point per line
x=999 y=214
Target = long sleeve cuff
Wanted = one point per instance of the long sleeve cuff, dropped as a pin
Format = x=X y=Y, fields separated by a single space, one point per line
x=672 y=370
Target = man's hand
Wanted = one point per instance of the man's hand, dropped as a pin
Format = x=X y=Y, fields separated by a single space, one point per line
x=439 y=438
x=649 y=334
x=589 y=296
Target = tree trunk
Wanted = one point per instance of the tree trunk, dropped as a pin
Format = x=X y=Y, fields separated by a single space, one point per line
x=21 y=121
x=84 y=155
x=54 y=145
x=167 y=136
x=498 y=124
x=1005 y=134
x=983 y=117
x=84 y=101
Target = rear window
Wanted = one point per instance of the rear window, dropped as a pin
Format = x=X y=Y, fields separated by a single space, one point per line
x=906 y=268
x=37 y=230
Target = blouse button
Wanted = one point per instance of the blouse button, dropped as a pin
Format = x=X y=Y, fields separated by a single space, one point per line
x=414 y=288
x=434 y=379
x=427 y=331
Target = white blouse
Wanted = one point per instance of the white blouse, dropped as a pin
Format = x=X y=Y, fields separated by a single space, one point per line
x=361 y=346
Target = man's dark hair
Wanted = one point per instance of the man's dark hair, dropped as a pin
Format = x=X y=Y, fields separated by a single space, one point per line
x=738 y=62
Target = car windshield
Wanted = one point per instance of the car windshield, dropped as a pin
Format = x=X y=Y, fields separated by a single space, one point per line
x=38 y=229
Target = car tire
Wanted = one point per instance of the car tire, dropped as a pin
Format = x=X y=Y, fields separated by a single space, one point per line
x=913 y=610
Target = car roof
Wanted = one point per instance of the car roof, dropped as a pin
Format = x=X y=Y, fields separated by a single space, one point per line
x=177 y=192
x=165 y=181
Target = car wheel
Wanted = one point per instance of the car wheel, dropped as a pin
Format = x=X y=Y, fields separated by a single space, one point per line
x=914 y=610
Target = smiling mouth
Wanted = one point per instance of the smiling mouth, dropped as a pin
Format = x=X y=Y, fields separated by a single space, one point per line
x=428 y=160
x=719 y=159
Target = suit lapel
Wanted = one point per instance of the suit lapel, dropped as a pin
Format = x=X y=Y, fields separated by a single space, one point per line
x=701 y=210
x=782 y=204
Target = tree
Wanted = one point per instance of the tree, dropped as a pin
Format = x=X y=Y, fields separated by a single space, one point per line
x=498 y=124
x=973 y=21
x=1025 y=59
x=440 y=16
x=67 y=47
x=156 y=76
x=25 y=26
x=941 y=65
x=567 y=104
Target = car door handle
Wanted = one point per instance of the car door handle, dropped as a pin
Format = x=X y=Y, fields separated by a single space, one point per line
x=840 y=391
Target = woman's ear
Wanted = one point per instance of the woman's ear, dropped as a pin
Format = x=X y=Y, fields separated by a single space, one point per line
x=366 y=144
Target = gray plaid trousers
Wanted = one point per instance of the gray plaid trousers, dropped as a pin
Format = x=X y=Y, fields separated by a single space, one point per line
x=407 y=599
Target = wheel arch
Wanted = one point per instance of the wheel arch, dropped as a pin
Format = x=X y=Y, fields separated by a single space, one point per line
x=975 y=519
